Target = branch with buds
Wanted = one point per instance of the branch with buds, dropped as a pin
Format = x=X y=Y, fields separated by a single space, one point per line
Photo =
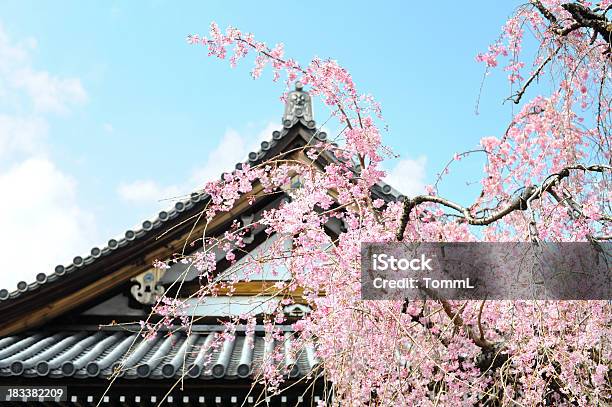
x=528 y=195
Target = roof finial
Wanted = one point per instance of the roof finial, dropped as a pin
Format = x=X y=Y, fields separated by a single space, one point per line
x=298 y=107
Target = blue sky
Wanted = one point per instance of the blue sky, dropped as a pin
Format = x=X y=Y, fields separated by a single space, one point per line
x=106 y=111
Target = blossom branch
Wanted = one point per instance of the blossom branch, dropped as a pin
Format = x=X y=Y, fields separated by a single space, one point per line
x=587 y=18
x=530 y=193
x=516 y=98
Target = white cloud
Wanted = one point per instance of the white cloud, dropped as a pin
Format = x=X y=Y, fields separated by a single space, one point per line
x=231 y=149
x=22 y=135
x=14 y=53
x=45 y=92
x=146 y=191
x=408 y=176
x=41 y=222
x=108 y=128
x=49 y=93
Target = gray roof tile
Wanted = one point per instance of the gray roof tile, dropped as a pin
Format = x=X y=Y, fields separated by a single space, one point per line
x=83 y=354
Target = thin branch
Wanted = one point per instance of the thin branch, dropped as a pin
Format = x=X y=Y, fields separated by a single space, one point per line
x=455 y=317
x=482 y=336
x=519 y=203
x=516 y=98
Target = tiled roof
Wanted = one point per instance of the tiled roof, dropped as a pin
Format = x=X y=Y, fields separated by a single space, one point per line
x=148 y=226
x=131 y=235
x=88 y=353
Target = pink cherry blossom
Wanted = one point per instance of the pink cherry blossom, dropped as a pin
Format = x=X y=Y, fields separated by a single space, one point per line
x=389 y=353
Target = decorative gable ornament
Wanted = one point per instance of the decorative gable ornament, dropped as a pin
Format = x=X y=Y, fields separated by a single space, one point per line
x=298 y=108
x=296 y=310
x=147 y=288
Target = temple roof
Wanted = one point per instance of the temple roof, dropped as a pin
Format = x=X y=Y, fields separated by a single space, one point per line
x=153 y=225
x=298 y=127
x=36 y=345
x=94 y=353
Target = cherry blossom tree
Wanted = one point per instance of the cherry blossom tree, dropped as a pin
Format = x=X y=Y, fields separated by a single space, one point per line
x=546 y=178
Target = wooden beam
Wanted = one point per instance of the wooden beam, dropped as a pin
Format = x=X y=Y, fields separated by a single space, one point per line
x=250 y=288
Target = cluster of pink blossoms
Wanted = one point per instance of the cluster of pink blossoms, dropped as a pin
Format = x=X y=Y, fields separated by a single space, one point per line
x=392 y=353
